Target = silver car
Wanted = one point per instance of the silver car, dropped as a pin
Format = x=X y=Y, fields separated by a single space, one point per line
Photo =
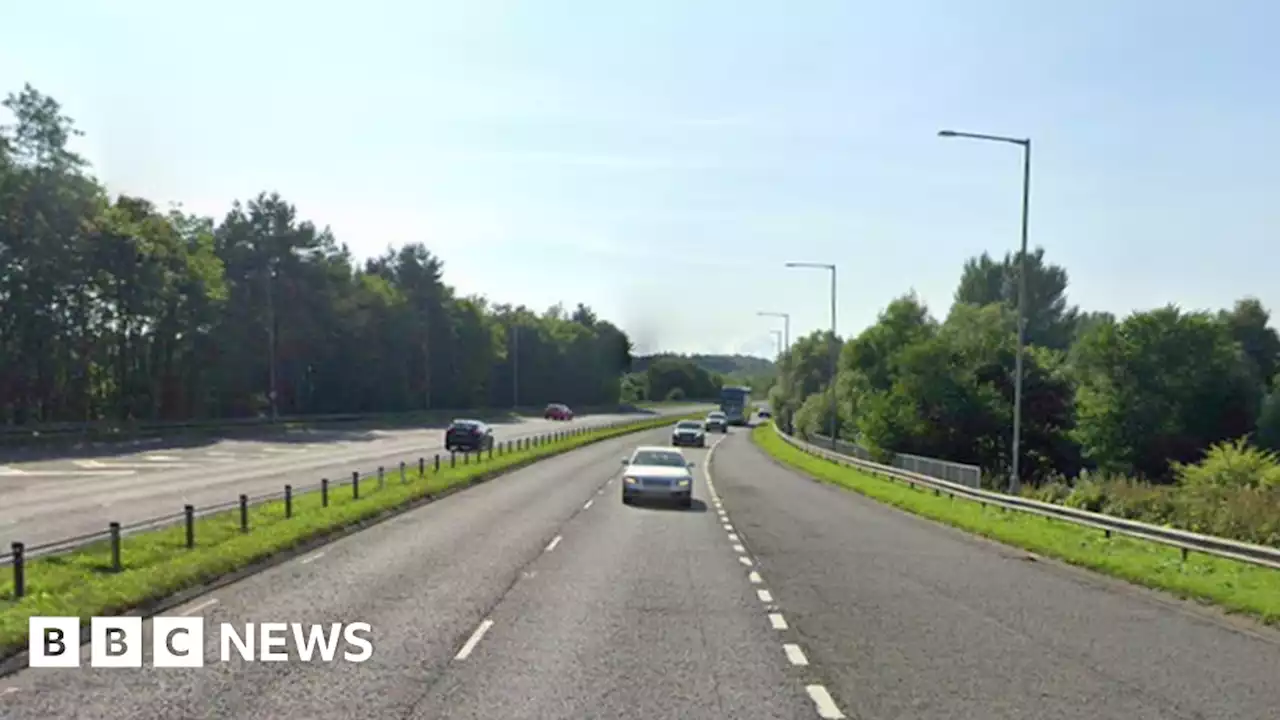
x=717 y=421
x=659 y=473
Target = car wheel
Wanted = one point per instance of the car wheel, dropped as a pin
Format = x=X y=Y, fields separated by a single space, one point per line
x=686 y=502
x=626 y=499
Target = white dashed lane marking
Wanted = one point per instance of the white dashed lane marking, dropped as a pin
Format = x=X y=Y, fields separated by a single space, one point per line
x=822 y=700
x=554 y=542
x=202 y=606
x=474 y=640
x=312 y=558
x=588 y=505
x=795 y=654
x=827 y=709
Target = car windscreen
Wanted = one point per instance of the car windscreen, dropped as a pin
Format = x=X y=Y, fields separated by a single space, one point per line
x=465 y=424
x=658 y=457
x=689 y=425
x=716 y=416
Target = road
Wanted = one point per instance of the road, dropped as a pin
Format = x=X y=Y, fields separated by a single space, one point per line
x=53 y=499
x=541 y=596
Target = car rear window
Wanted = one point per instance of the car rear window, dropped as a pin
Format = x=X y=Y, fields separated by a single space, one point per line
x=466 y=424
x=689 y=424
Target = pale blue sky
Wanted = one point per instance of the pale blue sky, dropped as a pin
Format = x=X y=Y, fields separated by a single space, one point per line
x=661 y=160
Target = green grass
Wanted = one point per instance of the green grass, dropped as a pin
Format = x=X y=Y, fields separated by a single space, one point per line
x=157 y=564
x=1235 y=586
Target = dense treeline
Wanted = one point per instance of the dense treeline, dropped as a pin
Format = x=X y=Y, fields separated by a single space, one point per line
x=114 y=309
x=669 y=376
x=1180 y=401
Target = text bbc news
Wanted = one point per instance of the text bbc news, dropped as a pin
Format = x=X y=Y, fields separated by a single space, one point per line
x=179 y=642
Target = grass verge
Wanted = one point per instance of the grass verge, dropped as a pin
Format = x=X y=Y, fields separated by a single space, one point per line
x=1235 y=586
x=158 y=564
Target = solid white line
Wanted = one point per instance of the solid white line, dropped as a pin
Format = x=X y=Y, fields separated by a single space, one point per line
x=795 y=654
x=552 y=545
x=6 y=470
x=96 y=465
x=764 y=595
x=755 y=578
x=8 y=691
x=473 y=640
x=588 y=505
x=777 y=621
x=206 y=604
x=744 y=560
x=67 y=473
x=163 y=458
x=313 y=558
x=826 y=706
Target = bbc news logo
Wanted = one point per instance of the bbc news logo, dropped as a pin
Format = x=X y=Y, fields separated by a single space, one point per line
x=179 y=642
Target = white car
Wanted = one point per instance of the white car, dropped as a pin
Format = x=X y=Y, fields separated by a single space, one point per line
x=653 y=471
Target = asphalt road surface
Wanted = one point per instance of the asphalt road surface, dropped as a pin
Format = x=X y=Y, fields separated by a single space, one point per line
x=50 y=500
x=540 y=596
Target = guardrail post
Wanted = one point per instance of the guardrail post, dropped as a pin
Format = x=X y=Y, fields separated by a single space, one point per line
x=288 y=501
x=1185 y=552
x=382 y=480
x=466 y=457
x=324 y=492
x=437 y=462
x=355 y=484
x=422 y=466
x=402 y=477
x=244 y=513
x=189 y=515
x=453 y=459
x=19 y=569
x=490 y=452
x=115 y=546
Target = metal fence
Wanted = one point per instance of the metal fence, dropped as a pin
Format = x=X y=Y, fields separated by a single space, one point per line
x=110 y=539
x=1186 y=541
x=967 y=475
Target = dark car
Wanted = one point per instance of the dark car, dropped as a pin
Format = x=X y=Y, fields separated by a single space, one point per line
x=468 y=436
x=763 y=413
x=557 y=411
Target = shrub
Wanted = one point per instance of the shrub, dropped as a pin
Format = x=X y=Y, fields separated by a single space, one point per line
x=1231 y=465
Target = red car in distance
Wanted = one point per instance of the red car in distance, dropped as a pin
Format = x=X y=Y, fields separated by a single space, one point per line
x=557 y=411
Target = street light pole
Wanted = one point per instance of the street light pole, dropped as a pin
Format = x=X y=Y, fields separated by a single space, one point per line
x=1015 y=477
x=835 y=351
x=271 y=339
x=786 y=326
x=515 y=365
x=777 y=336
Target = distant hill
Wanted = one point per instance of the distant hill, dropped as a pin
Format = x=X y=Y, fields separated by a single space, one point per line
x=741 y=366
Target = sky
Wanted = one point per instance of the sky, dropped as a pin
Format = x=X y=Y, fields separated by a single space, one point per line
x=661 y=161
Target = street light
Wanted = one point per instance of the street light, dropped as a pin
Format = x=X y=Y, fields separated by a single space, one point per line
x=835 y=352
x=1025 y=143
x=777 y=336
x=786 y=326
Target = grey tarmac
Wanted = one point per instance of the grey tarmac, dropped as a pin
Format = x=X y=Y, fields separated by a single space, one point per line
x=589 y=609
x=906 y=618
x=55 y=499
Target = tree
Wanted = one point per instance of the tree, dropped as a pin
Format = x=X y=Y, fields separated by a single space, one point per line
x=1248 y=324
x=1160 y=387
x=1050 y=321
x=115 y=310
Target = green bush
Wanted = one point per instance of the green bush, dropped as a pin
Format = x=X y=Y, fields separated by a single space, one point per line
x=1231 y=465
